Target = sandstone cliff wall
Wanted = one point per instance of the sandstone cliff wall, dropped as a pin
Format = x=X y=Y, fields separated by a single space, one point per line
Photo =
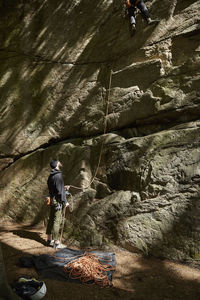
x=56 y=60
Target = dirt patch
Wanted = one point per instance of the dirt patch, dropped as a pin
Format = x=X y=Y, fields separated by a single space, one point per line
x=136 y=277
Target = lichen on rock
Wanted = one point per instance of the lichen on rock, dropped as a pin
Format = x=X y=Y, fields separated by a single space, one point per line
x=61 y=63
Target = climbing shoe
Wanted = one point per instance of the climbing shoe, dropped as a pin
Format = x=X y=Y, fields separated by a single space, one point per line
x=152 y=22
x=133 y=29
x=58 y=246
x=49 y=243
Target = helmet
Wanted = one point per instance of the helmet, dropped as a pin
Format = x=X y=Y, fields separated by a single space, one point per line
x=30 y=288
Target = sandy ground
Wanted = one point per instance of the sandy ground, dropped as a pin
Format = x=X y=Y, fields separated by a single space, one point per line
x=136 y=277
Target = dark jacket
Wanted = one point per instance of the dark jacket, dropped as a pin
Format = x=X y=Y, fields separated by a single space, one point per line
x=56 y=187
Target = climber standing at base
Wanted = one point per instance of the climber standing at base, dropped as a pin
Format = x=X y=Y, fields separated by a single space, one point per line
x=131 y=6
x=57 y=193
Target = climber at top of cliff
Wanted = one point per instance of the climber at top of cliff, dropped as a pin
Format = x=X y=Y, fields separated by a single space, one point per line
x=131 y=6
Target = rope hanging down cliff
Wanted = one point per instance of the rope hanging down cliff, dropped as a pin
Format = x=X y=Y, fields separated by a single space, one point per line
x=105 y=120
x=103 y=141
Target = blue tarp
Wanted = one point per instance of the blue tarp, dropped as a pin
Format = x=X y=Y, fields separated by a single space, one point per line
x=52 y=266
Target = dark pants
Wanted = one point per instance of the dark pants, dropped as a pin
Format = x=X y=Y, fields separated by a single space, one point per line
x=142 y=7
x=54 y=222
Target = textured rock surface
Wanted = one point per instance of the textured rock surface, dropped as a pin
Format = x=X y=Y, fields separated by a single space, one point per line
x=56 y=61
x=5 y=291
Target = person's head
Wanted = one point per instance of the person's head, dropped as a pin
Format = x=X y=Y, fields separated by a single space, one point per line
x=55 y=164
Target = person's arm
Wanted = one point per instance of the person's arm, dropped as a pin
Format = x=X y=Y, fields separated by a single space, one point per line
x=50 y=188
x=59 y=184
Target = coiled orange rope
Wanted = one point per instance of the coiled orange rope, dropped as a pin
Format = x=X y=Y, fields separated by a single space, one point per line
x=88 y=268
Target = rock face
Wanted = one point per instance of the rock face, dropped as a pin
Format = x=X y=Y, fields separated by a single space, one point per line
x=5 y=289
x=64 y=66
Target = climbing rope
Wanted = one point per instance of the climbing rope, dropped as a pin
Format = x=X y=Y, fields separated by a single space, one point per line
x=105 y=127
x=102 y=144
x=101 y=149
x=105 y=124
x=88 y=269
x=71 y=203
